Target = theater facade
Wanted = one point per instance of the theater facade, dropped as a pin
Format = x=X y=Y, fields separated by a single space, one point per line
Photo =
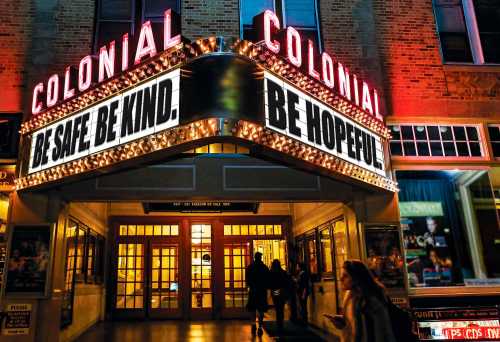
x=150 y=169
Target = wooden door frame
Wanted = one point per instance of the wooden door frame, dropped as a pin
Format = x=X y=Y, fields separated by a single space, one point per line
x=184 y=245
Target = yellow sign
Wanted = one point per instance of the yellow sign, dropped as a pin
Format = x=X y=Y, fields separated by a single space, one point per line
x=7 y=177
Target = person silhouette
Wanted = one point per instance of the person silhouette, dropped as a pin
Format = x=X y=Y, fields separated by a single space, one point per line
x=256 y=277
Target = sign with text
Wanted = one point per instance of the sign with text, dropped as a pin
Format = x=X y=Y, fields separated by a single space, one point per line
x=458 y=324
x=29 y=260
x=145 y=109
x=17 y=319
x=298 y=115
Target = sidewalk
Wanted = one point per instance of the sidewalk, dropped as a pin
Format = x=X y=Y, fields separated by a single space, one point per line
x=192 y=331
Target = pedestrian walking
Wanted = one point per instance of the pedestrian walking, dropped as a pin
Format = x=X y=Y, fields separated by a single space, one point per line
x=365 y=306
x=303 y=290
x=257 y=276
x=280 y=284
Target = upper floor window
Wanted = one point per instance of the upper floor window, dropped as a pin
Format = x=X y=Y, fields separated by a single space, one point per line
x=494 y=131
x=301 y=14
x=488 y=19
x=9 y=136
x=435 y=141
x=116 y=17
x=468 y=30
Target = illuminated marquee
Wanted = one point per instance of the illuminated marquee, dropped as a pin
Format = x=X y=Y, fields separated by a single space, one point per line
x=296 y=114
x=92 y=70
x=310 y=110
x=322 y=67
x=138 y=112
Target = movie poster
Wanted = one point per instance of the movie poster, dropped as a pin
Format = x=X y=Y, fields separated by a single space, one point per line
x=427 y=240
x=384 y=257
x=29 y=260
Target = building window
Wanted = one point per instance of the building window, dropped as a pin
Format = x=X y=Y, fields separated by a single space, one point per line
x=494 y=131
x=9 y=136
x=149 y=230
x=325 y=235
x=468 y=30
x=435 y=141
x=84 y=263
x=252 y=229
x=220 y=148
x=301 y=14
x=116 y=17
x=488 y=19
x=450 y=224
x=452 y=31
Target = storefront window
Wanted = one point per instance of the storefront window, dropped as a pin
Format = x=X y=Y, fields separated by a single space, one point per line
x=447 y=217
x=84 y=263
x=326 y=250
x=312 y=256
x=384 y=255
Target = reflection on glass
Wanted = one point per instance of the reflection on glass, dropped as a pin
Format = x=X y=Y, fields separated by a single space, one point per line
x=164 y=276
x=201 y=266
x=130 y=273
x=271 y=249
x=236 y=259
x=326 y=250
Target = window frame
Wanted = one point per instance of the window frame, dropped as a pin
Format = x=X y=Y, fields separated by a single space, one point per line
x=473 y=35
x=279 y=9
x=14 y=120
x=481 y=140
x=327 y=275
x=497 y=126
x=137 y=17
x=98 y=259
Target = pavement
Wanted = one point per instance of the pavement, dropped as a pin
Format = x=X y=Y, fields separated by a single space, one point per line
x=196 y=331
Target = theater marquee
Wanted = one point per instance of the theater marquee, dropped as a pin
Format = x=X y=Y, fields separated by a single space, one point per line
x=173 y=95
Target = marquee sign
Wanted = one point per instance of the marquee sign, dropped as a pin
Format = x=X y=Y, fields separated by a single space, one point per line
x=299 y=116
x=313 y=111
x=151 y=107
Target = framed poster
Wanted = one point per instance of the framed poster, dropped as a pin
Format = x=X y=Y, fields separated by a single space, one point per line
x=384 y=256
x=29 y=260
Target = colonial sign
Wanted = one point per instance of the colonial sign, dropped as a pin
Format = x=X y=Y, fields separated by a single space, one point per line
x=17 y=319
x=320 y=113
x=138 y=112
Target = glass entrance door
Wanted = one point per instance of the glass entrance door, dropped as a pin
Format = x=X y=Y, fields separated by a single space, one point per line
x=236 y=259
x=163 y=288
x=201 y=270
x=148 y=284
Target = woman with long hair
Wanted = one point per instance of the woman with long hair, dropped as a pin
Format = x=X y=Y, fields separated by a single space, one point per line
x=280 y=284
x=365 y=313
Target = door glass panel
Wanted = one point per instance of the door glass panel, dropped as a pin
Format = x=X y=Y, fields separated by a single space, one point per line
x=271 y=249
x=236 y=259
x=340 y=240
x=164 y=276
x=201 y=266
x=130 y=276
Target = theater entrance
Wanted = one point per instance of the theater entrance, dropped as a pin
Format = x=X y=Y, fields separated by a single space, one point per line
x=188 y=267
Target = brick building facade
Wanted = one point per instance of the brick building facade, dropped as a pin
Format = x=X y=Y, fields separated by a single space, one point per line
x=394 y=45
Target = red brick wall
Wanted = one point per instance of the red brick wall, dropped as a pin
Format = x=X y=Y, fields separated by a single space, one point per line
x=392 y=44
x=415 y=78
x=204 y=18
x=15 y=32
